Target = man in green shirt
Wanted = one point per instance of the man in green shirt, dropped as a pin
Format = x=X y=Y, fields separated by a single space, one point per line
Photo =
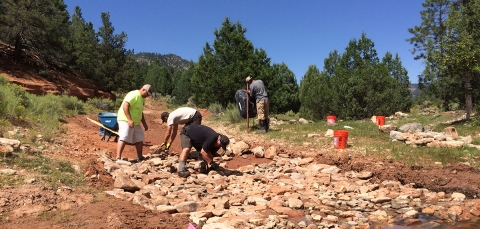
x=130 y=115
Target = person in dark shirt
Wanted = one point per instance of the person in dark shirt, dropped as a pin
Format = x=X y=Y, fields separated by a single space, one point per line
x=205 y=140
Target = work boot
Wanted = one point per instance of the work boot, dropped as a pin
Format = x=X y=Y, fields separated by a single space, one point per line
x=183 y=174
x=261 y=123
x=267 y=124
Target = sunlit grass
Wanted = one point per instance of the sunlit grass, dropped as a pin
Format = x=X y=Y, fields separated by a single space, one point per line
x=50 y=172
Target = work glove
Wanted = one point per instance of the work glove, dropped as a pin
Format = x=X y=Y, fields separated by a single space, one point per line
x=167 y=146
x=163 y=143
x=213 y=166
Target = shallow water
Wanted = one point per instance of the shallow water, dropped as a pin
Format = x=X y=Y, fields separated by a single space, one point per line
x=429 y=223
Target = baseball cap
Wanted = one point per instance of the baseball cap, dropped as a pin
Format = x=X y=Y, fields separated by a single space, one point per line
x=248 y=79
x=224 y=141
x=164 y=116
x=148 y=88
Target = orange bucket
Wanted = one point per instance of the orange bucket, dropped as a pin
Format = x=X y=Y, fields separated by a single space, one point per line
x=331 y=120
x=340 y=138
x=380 y=120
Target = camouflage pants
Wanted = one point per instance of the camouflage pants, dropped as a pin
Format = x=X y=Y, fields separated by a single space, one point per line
x=263 y=110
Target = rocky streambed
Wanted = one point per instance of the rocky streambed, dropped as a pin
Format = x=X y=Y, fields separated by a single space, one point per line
x=286 y=192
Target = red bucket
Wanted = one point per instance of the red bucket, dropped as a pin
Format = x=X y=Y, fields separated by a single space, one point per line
x=340 y=138
x=331 y=120
x=380 y=120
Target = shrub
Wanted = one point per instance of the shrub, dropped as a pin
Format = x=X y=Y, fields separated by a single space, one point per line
x=72 y=103
x=232 y=115
x=104 y=104
x=215 y=108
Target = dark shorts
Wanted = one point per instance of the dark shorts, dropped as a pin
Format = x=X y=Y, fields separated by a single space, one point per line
x=196 y=119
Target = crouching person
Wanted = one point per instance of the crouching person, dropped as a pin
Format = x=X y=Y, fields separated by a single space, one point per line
x=205 y=140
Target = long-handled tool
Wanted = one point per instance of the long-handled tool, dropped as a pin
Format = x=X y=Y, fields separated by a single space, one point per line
x=103 y=126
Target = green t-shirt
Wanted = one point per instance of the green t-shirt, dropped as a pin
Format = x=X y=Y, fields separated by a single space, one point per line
x=137 y=103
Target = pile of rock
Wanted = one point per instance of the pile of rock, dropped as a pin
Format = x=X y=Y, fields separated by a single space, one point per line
x=284 y=193
x=416 y=134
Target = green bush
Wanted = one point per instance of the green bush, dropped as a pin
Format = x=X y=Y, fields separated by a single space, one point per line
x=232 y=114
x=72 y=103
x=103 y=104
x=215 y=108
x=3 y=80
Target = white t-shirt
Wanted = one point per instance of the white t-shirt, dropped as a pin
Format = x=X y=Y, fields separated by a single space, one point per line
x=181 y=115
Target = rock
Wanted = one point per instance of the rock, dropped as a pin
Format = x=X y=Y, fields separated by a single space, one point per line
x=6 y=151
x=189 y=206
x=271 y=152
x=15 y=144
x=8 y=171
x=451 y=131
x=411 y=128
x=329 y=133
x=387 y=128
x=240 y=147
x=124 y=182
x=302 y=121
x=258 y=151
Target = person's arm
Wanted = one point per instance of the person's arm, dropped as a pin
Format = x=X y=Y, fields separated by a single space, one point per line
x=126 y=110
x=207 y=156
x=144 y=122
x=174 y=133
x=168 y=132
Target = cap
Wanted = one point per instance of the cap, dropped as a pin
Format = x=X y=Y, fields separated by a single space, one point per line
x=148 y=88
x=224 y=141
x=248 y=79
x=164 y=116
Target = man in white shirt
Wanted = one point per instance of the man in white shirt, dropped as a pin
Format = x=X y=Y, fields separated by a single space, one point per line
x=182 y=115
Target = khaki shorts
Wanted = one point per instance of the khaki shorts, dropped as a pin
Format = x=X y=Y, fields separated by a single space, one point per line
x=263 y=109
x=130 y=135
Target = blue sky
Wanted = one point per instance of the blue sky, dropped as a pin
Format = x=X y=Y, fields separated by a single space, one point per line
x=297 y=33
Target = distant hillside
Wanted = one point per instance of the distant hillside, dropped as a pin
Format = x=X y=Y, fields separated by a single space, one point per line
x=414 y=90
x=168 y=60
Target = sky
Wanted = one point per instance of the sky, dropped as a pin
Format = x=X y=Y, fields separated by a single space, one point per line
x=297 y=33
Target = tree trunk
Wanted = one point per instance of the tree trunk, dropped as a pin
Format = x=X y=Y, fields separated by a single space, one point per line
x=468 y=96
x=18 y=47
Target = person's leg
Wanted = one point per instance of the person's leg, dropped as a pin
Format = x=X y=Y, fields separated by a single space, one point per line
x=139 y=148
x=261 y=116
x=267 y=114
x=124 y=135
x=138 y=138
x=120 y=147
x=182 y=161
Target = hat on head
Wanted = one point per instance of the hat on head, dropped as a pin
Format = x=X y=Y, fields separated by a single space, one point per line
x=148 y=88
x=164 y=116
x=224 y=141
x=248 y=79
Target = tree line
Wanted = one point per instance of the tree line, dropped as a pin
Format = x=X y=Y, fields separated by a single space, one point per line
x=353 y=84
x=448 y=41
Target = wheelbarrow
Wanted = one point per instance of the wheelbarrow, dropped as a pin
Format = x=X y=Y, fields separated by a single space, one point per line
x=108 y=125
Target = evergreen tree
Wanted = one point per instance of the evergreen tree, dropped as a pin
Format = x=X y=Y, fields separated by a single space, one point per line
x=399 y=96
x=84 y=45
x=283 y=92
x=428 y=40
x=112 y=55
x=222 y=69
x=462 y=49
x=315 y=94
x=182 y=90
x=355 y=84
x=39 y=27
